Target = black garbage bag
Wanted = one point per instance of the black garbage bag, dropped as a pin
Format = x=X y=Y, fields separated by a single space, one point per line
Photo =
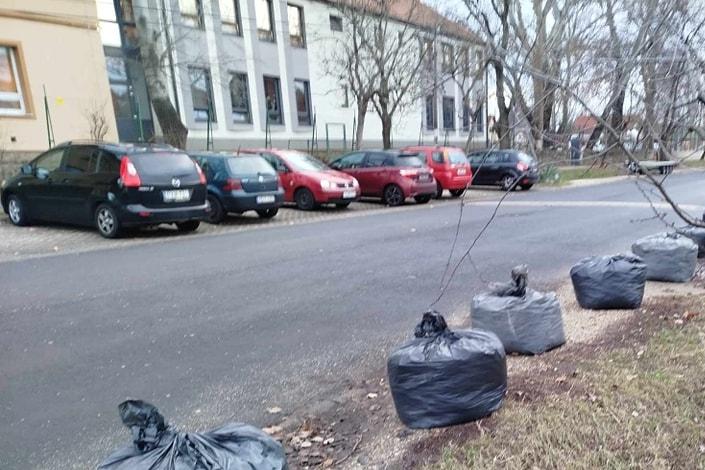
x=609 y=282
x=156 y=447
x=444 y=377
x=669 y=257
x=697 y=234
x=526 y=321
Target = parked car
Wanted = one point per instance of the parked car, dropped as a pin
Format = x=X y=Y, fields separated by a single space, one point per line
x=392 y=175
x=503 y=168
x=450 y=167
x=110 y=186
x=308 y=181
x=240 y=183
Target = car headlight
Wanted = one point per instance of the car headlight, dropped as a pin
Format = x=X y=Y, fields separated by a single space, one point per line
x=325 y=184
x=355 y=183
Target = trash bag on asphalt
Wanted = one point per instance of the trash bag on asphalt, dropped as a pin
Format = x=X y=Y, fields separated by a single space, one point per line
x=444 y=377
x=156 y=447
x=669 y=257
x=697 y=234
x=526 y=321
x=609 y=282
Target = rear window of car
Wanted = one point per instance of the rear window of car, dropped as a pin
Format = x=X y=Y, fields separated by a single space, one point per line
x=159 y=163
x=250 y=166
x=409 y=159
x=456 y=157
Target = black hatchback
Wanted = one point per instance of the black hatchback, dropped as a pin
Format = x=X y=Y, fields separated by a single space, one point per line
x=240 y=183
x=503 y=168
x=109 y=186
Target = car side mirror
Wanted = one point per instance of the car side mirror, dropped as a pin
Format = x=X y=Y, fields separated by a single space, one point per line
x=26 y=169
x=42 y=173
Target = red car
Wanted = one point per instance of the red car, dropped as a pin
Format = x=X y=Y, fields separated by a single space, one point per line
x=309 y=182
x=392 y=175
x=450 y=167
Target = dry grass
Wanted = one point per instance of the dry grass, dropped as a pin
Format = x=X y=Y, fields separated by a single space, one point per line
x=640 y=408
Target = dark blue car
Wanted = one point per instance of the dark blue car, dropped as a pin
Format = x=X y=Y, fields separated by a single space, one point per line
x=240 y=183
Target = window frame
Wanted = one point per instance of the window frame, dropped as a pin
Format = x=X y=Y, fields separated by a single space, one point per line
x=92 y=164
x=234 y=74
x=269 y=35
x=19 y=70
x=210 y=111
x=479 y=120
x=447 y=57
x=337 y=20
x=228 y=27
x=466 y=123
x=434 y=113
x=298 y=42
x=278 y=91
x=307 y=122
x=193 y=21
x=447 y=99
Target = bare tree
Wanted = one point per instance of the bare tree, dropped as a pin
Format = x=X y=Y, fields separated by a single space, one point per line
x=97 y=120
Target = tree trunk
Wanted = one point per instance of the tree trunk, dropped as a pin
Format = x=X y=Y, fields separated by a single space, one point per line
x=502 y=124
x=386 y=131
x=361 y=115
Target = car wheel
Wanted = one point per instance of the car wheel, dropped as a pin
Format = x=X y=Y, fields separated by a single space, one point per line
x=189 y=226
x=507 y=182
x=216 y=213
x=457 y=192
x=107 y=221
x=16 y=211
x=439 y=190
x=422 y=199
x=342 y=205
x=393 y=195
x=526 y=187
x=267 y=213
x=304 y=199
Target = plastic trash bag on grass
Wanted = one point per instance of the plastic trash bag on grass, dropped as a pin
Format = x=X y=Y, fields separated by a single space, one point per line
x=669 y=257
x=697 y=234
x=444 y=377
x=526 y=321
x=609 y=282
x=156 y=447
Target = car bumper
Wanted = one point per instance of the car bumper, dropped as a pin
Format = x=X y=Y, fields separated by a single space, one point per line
x=454 y=181
x=240 y=201
x=417 y=188
x=137 y=214
x=336 y=197
x=529 y=179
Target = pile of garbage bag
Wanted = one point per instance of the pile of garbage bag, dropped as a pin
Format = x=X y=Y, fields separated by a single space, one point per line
x=156 y=447
x=609 y=282
x=526 y=321
x=669 y=257
x=444 y=377
x=697 y=234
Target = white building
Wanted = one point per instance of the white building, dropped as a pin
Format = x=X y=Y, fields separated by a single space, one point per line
x=255 y=67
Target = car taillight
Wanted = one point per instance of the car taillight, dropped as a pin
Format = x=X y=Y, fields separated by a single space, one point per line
x=232 y=184
x=522 y=166
x=128 y=173
x=201 y=176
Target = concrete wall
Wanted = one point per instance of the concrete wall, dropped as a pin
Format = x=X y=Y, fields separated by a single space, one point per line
x=60 y=48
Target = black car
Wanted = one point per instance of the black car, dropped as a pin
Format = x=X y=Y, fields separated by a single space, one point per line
x=240 y=183
x=503 y=168
x=109 y=186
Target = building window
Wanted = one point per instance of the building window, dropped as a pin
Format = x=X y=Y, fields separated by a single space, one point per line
x=478 y=59
x=466 y=115
x=230 y=17
x=427 y=51
x=201 y=94
x=480 y=119
x=296 y=25
x=336 y=23
x=448 y=113
x=265 y=20
x=240 y=98
x=13 y=100
x=272 y=95
x=345 y=96
x=191 y=13
x=303 y=102
x=431 y=122
x=465 y=60
x=447 y=58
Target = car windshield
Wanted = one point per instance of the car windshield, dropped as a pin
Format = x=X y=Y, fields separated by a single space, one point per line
x=303 y=162
x=160 y=163
x=250 y=166
x=408 y=159
x=457 y=157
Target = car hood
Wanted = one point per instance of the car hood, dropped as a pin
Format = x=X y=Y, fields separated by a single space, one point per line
x=330 y=175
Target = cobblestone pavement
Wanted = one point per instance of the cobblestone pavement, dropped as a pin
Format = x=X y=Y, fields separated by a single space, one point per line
x=18 y=243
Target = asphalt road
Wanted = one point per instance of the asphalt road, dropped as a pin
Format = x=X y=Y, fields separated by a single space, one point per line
x=219 y=328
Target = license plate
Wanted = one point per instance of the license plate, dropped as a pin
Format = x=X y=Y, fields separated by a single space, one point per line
x=349 y=194
x=176 y=195
x=462 y=171
x=265 y=199
x=425 y=177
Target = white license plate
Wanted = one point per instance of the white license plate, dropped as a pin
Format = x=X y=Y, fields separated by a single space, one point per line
x=349 y=194
x=462 y=171
x=176 y=195
x=265 y=199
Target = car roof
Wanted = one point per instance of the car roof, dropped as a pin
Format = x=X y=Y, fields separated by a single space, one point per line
x=123 y=147
x=224 y=154
x=432 y=147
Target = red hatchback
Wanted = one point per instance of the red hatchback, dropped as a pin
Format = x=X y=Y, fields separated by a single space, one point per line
x=390 y=174
x=450 y=167
x=307 y=181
